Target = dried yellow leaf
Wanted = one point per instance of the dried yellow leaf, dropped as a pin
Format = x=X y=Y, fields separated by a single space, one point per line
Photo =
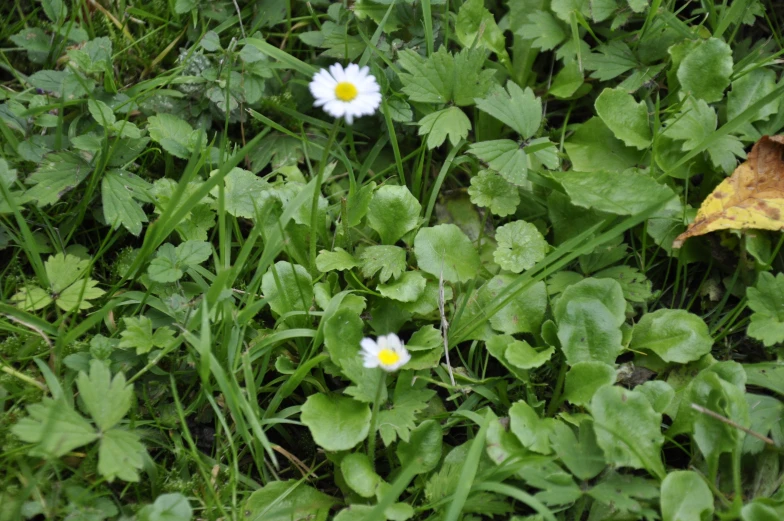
x=752 y=197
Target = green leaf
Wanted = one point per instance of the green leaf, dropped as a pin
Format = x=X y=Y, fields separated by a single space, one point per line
x=674 y=334
x=694 y=123
x=625 y=193
x=627 y=119
x=505 y=157
x=628 y=429
x=582 y=456
x=94 y=56
x=163 y=268
x=407 y=288
x=167 y=507
x=59 y=173
x=712 y=391
x=758 y=511
x=118 y=190
x=211 y=42
x=393 y=212
x=287 y=501
x=389 y=260
x=519 y=109
x=121 y=455
x=55 y=10
x=521 y=355
x=78 y=295
x=766 y=300
x=613 y=59
x=766 y=414
x=704 y=72
x=102 y=113
x=532 y=431
x=443 y=77
x=288 y=287
x=335 y=422
x=192 y=253
x=636 y=288
x=445 y=249
x=749 y=89
x=244 y=193
x=475 y=24
x=589 y=316
x=594 y=147
x=359 y=474
x=138 y=335
x=175 y=135
x=337 y=260
x=658 y=392
x=522 y=314
x=410 y=397
x=520 y=246
x=490 y=190
x=584 y=379
x=54 y=428
x=63 y=269
x=342 y=337
x=106 y=399
x=544 y=29
x=438 y=125
x=423 y=449
x=685 y=497
x=31 y=298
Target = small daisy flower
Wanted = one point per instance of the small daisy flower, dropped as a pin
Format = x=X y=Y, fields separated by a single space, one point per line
x=386 y=352
x=346 y=93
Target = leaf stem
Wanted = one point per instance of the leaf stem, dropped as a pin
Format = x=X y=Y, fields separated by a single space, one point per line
x=371 y=446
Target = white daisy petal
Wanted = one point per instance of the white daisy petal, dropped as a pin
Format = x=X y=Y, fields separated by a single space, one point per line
x=386 y=352
x=369 y=346
x=349 y=92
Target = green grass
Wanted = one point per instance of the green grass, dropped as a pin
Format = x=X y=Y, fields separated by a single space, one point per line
x=175 y=209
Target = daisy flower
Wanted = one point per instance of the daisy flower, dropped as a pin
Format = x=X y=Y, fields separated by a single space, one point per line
x=386 y=352
x=346 y=93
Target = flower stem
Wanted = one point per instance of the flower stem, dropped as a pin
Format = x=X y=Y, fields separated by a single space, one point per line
x=371 y=447
x=314 y=228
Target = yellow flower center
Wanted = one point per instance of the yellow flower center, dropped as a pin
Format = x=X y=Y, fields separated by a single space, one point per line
x=345 y=91
x=388 y=357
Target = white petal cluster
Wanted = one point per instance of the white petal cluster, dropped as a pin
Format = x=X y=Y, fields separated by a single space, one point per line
x=346 y=93
x=386 y=352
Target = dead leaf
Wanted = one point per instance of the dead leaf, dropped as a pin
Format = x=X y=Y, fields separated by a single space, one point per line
x=752 y=197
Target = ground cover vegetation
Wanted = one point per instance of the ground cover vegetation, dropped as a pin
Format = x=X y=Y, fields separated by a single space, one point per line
x=464 y=285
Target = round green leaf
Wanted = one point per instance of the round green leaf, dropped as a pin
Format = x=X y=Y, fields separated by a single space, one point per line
x=759 y=512
x=584 y=379
x=589 y=316
x=627 y=119
x=628 y=429
x=393 y=212
x=359 y=474
x=288 y=287
x=532 y=431
x=286 y=501
x=685 y=497
x=407 y=288
x=520 y=246
x=336 y=422
x=490 y=190
x=705 y=70
x=337 y=260
x=445 y=248
x=674 y=334
x=423 y=449
x=523 y=314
